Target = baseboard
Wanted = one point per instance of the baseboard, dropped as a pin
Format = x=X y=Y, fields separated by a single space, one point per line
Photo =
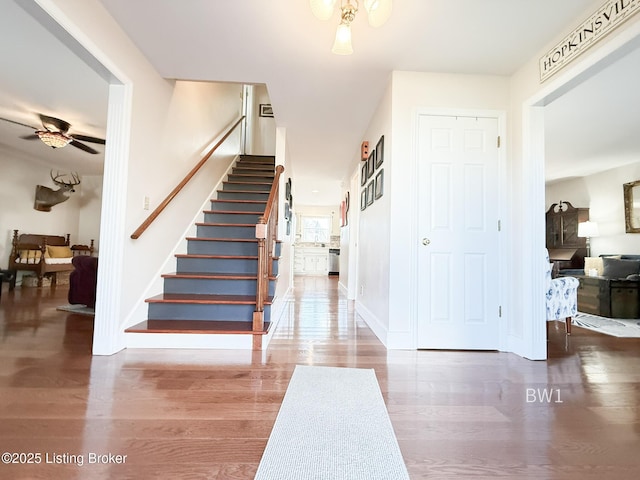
x=372 y=322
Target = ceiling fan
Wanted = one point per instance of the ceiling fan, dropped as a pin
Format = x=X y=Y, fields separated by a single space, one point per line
x=55 y=133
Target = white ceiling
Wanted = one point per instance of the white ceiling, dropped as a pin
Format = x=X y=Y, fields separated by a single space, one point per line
x=324 y=100
x=41 y=75
x=594 y=126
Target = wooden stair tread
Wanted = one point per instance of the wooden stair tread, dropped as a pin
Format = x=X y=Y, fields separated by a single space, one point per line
x=210 y=239
x=197 y=326
x=238 y=201
x=248 y=183
x=235 y=212
x=221 y=239
x=209 y=275
x=206 y=255
x=253 y=174
x=253 y=169
x=209 y=299
x=222 y=257
x=243 y=191
x=216 y=224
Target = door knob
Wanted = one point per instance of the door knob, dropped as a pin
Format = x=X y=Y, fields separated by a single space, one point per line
x=426 y=241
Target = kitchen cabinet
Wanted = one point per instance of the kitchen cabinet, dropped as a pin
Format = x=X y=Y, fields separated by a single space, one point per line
x=311 y=260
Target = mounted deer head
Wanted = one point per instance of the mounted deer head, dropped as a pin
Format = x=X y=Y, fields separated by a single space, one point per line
x=47 y=198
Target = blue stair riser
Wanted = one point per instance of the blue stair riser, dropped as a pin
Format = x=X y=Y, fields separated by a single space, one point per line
x=238 y=206
x=217 y=265
x=231 y=217
x=220 y=265
x=250 y=177
x=257 y=170
x=254 y=187
x=231 y=195
x=198 y=311
x=203 y=247
x=225 y=231
x=214 y=286
x=222 y=247
x=270 y=160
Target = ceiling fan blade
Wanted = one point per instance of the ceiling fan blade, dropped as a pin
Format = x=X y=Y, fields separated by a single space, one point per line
x=86 y=138
x=18 y=123
x=53 y=123
x=82 y=146
x=30 y=137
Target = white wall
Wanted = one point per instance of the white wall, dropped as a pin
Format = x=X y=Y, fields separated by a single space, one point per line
x=374 y=227
x=263 y=129
x=602 y=193
x=90 y=202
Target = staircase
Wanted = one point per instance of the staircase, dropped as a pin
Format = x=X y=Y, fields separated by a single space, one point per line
x=213 y=290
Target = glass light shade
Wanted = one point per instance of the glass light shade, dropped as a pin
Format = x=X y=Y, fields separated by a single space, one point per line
x=588 y=229
x=378 y=11
x=322 y=9
x=342 y=45
x=54 y=139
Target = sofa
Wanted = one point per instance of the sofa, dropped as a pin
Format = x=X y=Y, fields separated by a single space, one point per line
x=83 y=281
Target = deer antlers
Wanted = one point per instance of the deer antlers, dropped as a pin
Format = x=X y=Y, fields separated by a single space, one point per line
x=73 y=183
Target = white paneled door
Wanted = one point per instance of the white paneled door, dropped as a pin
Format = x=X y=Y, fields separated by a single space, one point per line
x=458 y=265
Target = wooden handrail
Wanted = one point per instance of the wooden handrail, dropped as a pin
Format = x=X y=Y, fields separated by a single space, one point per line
x=144 y=225
x=266 y=233
x=272 y=196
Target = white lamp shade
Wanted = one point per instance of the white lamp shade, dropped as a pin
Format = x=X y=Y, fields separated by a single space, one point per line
x=322 y=9
x=588 y=229
x=342 y=45
x=378 y=11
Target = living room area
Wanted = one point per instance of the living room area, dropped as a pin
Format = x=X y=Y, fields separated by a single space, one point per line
x=592 y=172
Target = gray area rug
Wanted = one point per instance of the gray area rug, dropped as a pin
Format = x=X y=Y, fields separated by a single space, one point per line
x=79 y=309
x=333 y=424
x=617 y=327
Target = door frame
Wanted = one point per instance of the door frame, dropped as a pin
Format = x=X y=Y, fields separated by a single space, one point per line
x=108 y=335
x=532 y=343
x=503 y=238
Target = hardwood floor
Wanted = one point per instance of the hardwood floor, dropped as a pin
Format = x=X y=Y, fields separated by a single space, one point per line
x=193 y=414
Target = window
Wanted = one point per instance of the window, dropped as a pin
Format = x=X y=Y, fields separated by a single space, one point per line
x=316 y=229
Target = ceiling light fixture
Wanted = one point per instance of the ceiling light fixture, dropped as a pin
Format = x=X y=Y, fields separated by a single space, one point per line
x=53 y=139
x=378 y=11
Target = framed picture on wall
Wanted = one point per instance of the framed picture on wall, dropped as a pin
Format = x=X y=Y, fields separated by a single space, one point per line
x=266 y=110
x=371 y=164
x=379 y=184
x=363 y=174
x=363 y=199
x=380 y=152
x=370 y=190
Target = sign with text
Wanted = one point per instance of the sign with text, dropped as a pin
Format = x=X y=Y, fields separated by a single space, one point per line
x=608 y=17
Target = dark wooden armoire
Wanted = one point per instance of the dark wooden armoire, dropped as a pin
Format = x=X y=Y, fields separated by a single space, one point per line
x=566 y=249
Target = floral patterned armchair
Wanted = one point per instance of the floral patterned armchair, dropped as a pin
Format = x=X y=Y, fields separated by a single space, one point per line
x=561 y=296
